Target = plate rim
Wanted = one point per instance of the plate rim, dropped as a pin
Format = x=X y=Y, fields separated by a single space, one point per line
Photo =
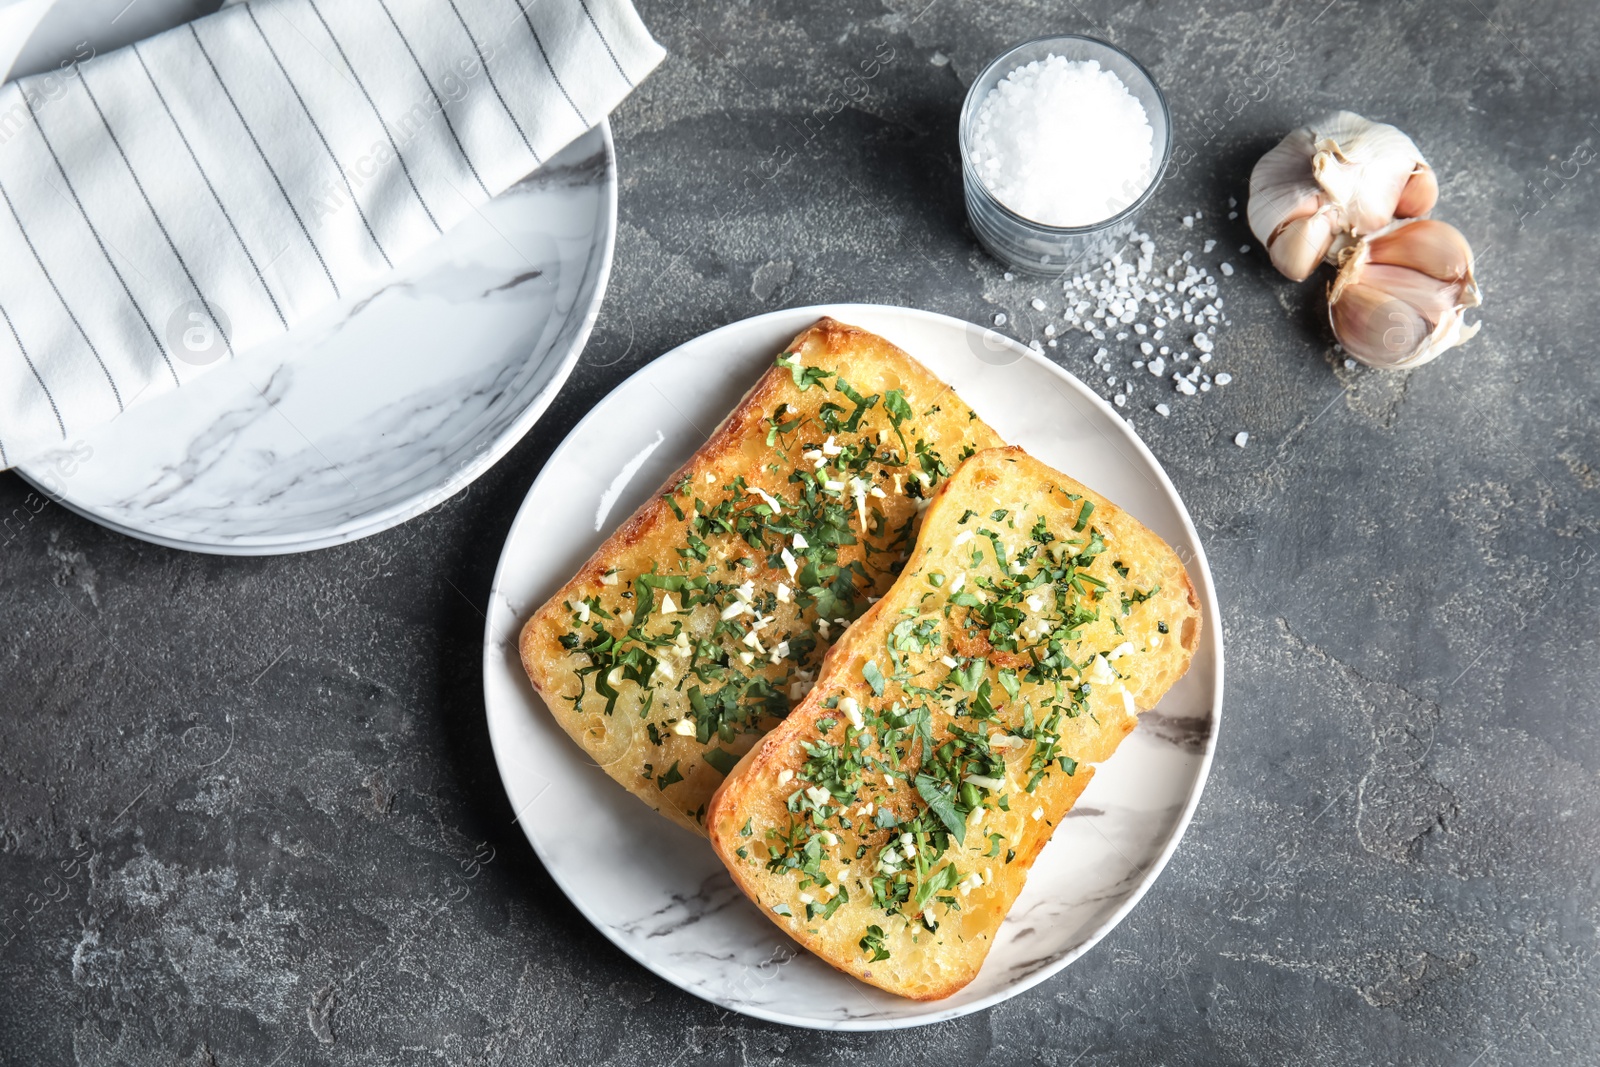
x=386 y=518
x=493 y=648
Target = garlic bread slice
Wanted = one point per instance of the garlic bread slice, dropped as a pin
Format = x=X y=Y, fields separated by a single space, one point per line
x=889 y=822
x=704 y=618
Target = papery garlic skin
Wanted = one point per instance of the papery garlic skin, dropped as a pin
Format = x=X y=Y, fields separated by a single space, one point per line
x=1341 y=175
x=1401 y=294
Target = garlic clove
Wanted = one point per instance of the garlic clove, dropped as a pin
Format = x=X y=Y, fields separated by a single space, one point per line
x=1428 y=297
x=1435 y=248
x=1400 y=295
x=1374 y=327
x=1282 y=188
x=1366 y=177
x=1419 y=195
x=1299 y=246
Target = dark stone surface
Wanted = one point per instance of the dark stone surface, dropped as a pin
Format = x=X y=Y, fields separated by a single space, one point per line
x=239 y=799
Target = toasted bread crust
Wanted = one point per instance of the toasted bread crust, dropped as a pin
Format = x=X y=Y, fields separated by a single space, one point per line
x=669 y=771
x=767 y=805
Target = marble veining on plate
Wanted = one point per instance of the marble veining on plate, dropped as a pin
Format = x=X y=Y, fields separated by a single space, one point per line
x=657 y=890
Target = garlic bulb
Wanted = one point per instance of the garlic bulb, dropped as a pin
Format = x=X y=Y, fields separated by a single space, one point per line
x=1400 y=294
x=1341 y=175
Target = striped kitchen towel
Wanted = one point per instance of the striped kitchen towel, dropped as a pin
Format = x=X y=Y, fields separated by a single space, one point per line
x=173 y=203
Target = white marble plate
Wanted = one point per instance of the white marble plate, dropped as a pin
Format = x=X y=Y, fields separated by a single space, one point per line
x=656 y=890
x=378 y=408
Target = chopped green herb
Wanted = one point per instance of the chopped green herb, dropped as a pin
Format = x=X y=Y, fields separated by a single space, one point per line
x=874 y=678
x=721 y=759
x=872 y=944
x=942 y=806
x=671 y=777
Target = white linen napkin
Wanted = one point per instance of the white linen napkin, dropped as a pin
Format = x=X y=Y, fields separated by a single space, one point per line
x=173 y=203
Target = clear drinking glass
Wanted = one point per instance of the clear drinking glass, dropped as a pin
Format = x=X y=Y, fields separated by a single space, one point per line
x=1035 y=247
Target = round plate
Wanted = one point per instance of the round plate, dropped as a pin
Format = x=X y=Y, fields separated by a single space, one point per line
x=378 y=408
x=657 y=890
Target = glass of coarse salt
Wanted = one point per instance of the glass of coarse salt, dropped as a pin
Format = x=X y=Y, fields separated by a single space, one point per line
x=1063 y=141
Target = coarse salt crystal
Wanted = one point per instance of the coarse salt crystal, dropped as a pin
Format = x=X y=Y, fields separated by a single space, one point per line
x=1163 y=410
x=1242 y=438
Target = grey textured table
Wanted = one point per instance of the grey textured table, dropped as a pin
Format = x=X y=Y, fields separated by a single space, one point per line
x=248 y=811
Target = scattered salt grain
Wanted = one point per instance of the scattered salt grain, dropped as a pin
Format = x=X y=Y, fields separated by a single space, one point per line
x=1224 y=378
x=1138 y=298
x=1036 y=304
x=1209 y=246
x=939 y=59
x=1349 y=364
x=1242 y=438
x=1163 y=410
x=1000 y=318
x=1120 y=399
x=1010 y=277
x=1244 y=249
x=1188 y=222
x=1061 y=141
x=1227 y=270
